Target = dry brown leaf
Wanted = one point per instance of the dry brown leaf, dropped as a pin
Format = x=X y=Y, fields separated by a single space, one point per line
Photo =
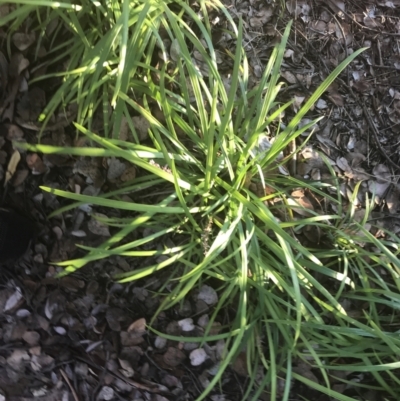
x=382 y=173
x=362 y=86
x=318 y=26
x=312 y=233
x=297 y=102
x=31 y=104
x=138 y=327
x=91 y=169
x=355 y=159
x=23 y=40
x=336 y=98
x=35 y=163
x=343 y=164
x=126 y=368
x=298 y=7
x=14 y=133
x=240 y=365
x=304 y=370
x=289 y=76
x=358 y=174
x=378 y=189
x=38 y=362
x=256 y=22
x=393 y=199
x=300 y=203
x=12 y=166
x=72 y=283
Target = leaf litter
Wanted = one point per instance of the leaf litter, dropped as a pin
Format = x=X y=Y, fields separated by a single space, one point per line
x=356 y=138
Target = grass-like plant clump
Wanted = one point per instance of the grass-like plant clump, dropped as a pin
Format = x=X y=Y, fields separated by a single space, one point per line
x=201 y=158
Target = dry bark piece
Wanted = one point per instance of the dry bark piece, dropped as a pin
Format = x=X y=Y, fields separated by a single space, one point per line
x=343 y=164
x=60 y=330
x=289 y=76
x=240 y=364
x=203 y=320
x=18 y=63
x=186 y=324
x=19 y=177
x=31 y=104
x=141 y=126
x=31 y=337
x=17 y=359
x=78 y=233
x=14 y=133
x=198 y=356
x=15 y=300
x=174 y=356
